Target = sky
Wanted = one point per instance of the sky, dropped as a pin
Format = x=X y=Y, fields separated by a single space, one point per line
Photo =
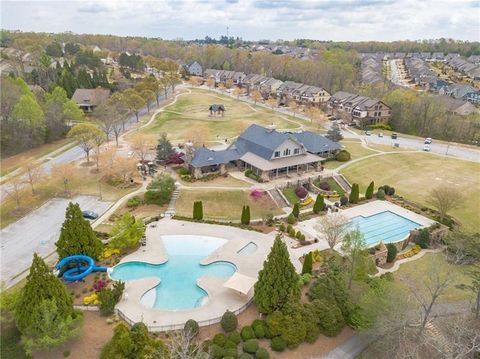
x=339 y=20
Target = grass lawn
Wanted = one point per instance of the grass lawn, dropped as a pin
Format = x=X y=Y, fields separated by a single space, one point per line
x=11 y=163
x=333 y=185
x=226 y=205
x=290 y=195
x=356 y=151
x=414 y=174
x=190 y=113
x=418 y=270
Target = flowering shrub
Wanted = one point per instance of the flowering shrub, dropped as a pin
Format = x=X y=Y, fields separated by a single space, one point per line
x=99 y=285
x=108 y=252
x=257 y=193
x=307 y=201
x=301 y=192
x=325 y=186
x=411 y=252
x=91 y=299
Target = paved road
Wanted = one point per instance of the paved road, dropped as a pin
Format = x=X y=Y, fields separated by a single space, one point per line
x=37 y=232
x=455 y=150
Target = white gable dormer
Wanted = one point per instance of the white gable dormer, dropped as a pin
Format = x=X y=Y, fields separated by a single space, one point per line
x=288 y=148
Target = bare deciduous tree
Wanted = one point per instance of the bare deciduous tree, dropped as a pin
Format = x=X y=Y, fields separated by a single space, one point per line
x=256 y=96
x=238 y=91
x=15 y=189
x=182 y=345
x=142 y=146
x=444 y=199
x=33 y=174
x=65 y=174
x=272 y=102
x=333 y=227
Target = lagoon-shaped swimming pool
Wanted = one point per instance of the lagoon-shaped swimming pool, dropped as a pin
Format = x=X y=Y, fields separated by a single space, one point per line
x=178 y=288
x=385 y=226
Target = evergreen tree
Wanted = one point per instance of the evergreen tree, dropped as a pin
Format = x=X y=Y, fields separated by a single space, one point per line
x=77 y=236
x=242 y=217
x=319 y=204
x=195 y=210
x=247 y=215
x=164 y=147
x=198 y=210
x=42 y=285
x=277 y=281
x=308 y=263
x=354 y=194
x=369 y=191
x=296 y=210
x=334 y=133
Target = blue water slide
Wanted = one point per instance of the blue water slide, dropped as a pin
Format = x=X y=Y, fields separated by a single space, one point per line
x=84 y=266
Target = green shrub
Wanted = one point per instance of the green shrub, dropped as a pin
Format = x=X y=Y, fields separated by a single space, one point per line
x=133 y=202
x=229 y=345
x=245 y=356
x=110 y=297
x=330 y=317
x=250 y=346
x=392 y=252
x=191 y=326
x=296 y=210
x=343 y=156
x=278 y=344
x=182 y=171
x=234 y=337
x=298 y=235
x=274 y=323
x=307 y=263
x=230 y=353
x=354 y=194
x=319 y=204
x=370 y=189
x=198 y=210
x=247 y=333
x=160 y=190
x=343 y=200
x=245 y=217
x=381 y=194
x=216 y=351
x=66 y=353
x=254 y=176
x=291 y=232
x=291 y=219
x=423 y=240
x=259 y=328
x=306 y=278
x=219 y=339
x=229 y=321
x=281 y=227
x=262 y=353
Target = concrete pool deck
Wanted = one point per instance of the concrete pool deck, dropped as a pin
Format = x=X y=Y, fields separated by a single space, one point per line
x=365 y=210
x=219 y=298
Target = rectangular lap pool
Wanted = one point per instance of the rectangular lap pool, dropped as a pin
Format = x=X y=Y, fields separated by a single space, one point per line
x=384 y=226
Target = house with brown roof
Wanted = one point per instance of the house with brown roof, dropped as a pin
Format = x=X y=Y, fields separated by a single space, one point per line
x=361 y=110
x=88 y=99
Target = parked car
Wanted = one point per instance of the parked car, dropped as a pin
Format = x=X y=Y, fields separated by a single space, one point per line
x=428 y=141
x=368 y=133
x=426 y=147
x=89 y=215
x=394 y=136
x=380 y=134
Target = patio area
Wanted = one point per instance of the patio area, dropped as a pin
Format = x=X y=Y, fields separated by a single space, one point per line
x=219 y=299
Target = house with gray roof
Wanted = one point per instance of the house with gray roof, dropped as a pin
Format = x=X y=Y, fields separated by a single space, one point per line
x=88 y=99
x=193 y=68
x=266 y=151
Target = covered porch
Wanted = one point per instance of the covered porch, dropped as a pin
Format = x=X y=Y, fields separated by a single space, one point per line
x=282 y=167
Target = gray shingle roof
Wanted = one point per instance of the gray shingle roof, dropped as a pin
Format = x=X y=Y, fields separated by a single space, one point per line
x=205 y=157
x=315 y=143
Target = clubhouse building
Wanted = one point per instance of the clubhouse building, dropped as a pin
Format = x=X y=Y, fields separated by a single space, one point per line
x=266 y=151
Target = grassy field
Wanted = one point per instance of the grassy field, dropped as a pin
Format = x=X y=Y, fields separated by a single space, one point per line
x=417 y=272
x=11 y=163
x=414 y=174
x=356 y=151
x=190 y=113
x=290 y=195
x=226 y=205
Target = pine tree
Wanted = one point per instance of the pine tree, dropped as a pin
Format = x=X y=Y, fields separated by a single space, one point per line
x=319 y=204
x=334 y=133
x=200 y=210
x=41 y=285
x=296 y=210
x=242 y=216
x=277 y=281
x=245 y=218
x=354 y=194
x=307 y=263
x=195 y=210
x=77 y=236
x=248 y=214
x=369 y=191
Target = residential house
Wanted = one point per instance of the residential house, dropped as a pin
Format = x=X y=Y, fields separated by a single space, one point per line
x=193 y=68
x=457 y=91
x=458 y=107
x=88 y=99
x=473 y=97
x=222 y=76
x=266 y=151
x=361 y=110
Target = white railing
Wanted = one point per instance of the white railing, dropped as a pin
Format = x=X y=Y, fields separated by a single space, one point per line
x=169 y=327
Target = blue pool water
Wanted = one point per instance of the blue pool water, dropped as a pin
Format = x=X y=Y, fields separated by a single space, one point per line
x=248 y=249
x=384 y=226
x=178 y=288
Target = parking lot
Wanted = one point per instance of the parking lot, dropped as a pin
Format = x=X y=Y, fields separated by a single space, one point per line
x=38 y=232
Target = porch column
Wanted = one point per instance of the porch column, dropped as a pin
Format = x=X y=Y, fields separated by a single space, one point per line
x=276 y=175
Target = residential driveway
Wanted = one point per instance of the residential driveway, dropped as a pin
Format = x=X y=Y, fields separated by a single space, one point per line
x=37 y=232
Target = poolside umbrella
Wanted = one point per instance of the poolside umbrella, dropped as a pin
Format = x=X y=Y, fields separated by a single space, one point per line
x=240 y=282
